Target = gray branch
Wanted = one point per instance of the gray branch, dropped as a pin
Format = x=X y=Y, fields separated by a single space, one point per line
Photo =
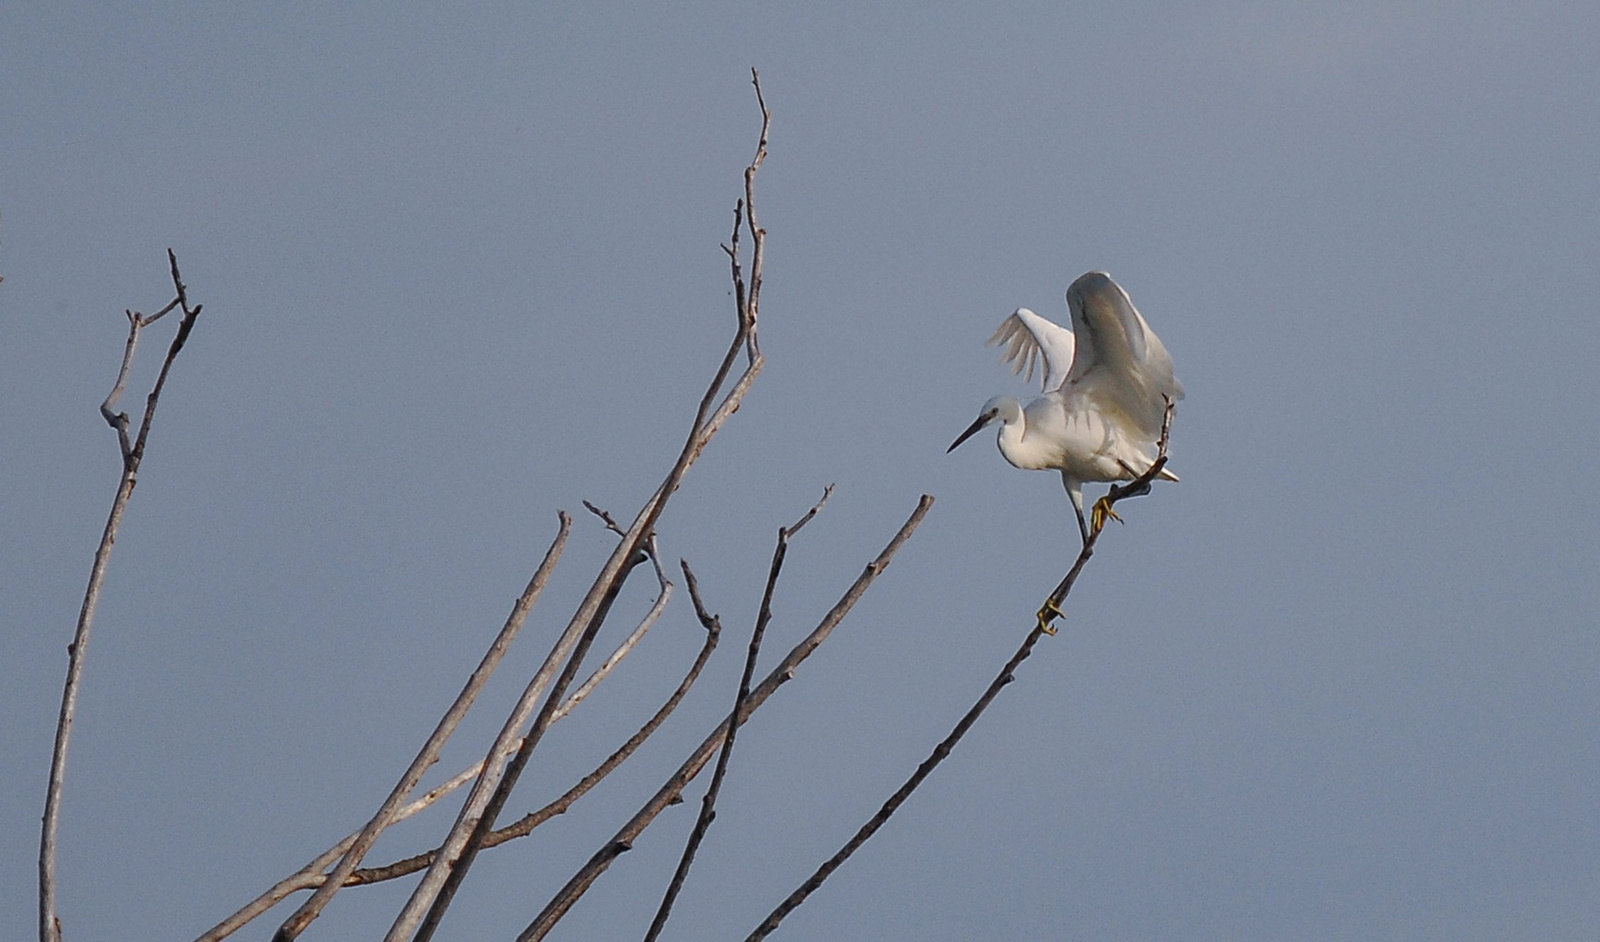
x=424 y=910
x=429 y=754
x=708 y=804
x=132 y=454
x=671 y=792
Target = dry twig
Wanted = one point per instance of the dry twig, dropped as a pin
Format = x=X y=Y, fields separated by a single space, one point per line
x=626 y=647
x=708 y=803
x=429 y=754
x=484 y=821
x=432 y=896
x=525 y=825
x=671 y=792
x=132 y=455
x=312 y=875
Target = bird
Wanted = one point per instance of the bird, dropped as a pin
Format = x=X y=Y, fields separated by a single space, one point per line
x=1107 y=385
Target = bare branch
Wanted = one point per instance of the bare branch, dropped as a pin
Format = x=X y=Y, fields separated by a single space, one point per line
x=483 y=822
x=132 y=455
x=119 y=420
x=708 y=804
x=758 y=235
x=308 y=877
x=311 y=876
x=610 y=523
x=710 y=622
x=493 y=787
x=525 y=825
x=429 y=754
x=671 y=792
x=627 y=646
x=1138 y=486
x=901 y=794
x=816 y=508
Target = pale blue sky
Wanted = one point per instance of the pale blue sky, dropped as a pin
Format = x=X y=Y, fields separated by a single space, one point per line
x=460 y=269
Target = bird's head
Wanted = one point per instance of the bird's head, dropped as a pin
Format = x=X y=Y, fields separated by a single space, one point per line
x=1002 y=409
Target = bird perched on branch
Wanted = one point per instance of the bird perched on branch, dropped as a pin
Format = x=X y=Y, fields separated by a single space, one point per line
x=1107 y=385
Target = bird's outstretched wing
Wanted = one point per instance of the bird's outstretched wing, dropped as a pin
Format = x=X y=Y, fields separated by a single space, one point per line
x=1025 y=338
x=1120 y=361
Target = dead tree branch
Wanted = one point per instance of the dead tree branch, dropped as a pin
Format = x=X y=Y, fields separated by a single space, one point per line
x=626 y=647
x=132 y=455
x=709 y=802
x=312 y=875
x=519 y=759
x=525 y=825
x=429 y=754
x=671 y=792
x=424 y=910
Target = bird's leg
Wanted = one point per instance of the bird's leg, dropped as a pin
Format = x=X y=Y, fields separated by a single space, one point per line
x=1049 y=613
x=1083 y=528
x=1075 y=491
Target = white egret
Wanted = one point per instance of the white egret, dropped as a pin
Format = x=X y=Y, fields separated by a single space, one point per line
x=1106 y=386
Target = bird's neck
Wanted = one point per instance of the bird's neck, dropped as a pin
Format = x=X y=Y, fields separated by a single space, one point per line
x=1019 y=450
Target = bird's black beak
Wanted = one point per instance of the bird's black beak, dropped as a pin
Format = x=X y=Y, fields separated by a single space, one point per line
x=972 y=430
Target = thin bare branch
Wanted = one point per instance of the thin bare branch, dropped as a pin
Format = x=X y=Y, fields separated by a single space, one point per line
x=132 y=455
x=708 y=803
x=610 y=523
x=901 y=794
x=312 y=875
x=484 y=821
x=758 y=235
x=308 y=877
x=710 y=622
x=429 y=754
x=525 y=825
x=1140 y=485
x=433 y=894
x=119 y=420
x=628 y=644
x=671 y=792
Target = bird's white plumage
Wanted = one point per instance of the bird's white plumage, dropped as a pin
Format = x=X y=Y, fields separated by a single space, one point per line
x=1119 y=359
x=1106 y=386
x=1028 y=338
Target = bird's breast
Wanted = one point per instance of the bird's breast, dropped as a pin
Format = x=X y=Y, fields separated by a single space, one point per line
x=1067 y=434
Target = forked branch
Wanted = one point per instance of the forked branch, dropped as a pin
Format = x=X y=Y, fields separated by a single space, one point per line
x=672 y=791
x=131 y=448
x=525 y=825
x=429 y=754
x=312 y=875
x=432 y=896
x=709 y=802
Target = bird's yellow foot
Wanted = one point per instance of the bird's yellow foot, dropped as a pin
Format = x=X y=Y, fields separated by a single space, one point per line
x=1099 y=513
x=1049 y=614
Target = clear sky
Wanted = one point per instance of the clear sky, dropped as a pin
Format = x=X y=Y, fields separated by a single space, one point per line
x=460 y=269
